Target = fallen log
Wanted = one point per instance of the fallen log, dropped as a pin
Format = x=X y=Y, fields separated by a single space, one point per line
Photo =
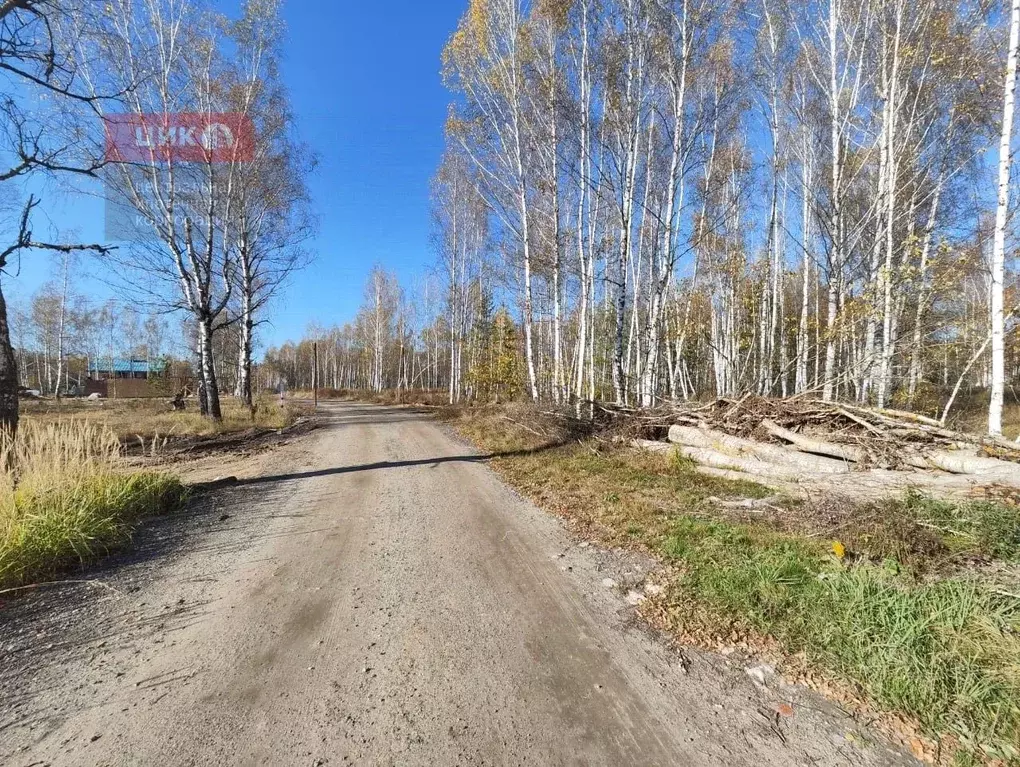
x=906 y=415
x=818 y=456
x=740 y=476
x=752 y=466
x=740 y=447
x=1001 y=442
x=816 y=446
x=955 y=463
x=750 y=473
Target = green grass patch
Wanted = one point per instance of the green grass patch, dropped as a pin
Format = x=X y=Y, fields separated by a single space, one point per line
x=983 y=528
x=946 y=652
x=66 y=501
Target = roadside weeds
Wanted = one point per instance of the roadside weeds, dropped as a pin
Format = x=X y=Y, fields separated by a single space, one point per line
x=65 y=500
x=87 y=473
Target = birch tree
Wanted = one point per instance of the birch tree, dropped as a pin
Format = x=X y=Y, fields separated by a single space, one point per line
x=459 y=238
x=273 y=219
x=484 y=61
x=998 y=265
x=186 y=257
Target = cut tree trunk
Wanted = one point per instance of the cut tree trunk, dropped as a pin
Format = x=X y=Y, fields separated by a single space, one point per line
x=752 y=466
x=818 y=447
x=955 y=463
x=725 y=443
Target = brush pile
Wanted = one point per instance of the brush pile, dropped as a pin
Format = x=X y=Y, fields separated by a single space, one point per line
x=797 y=437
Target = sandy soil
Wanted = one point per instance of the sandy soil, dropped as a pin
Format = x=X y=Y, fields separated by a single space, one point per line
x=370 y=593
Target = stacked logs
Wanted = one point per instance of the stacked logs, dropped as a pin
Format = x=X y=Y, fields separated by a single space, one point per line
x=798 y=438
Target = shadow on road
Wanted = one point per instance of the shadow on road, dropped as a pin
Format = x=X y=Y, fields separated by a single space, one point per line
x=475 y=458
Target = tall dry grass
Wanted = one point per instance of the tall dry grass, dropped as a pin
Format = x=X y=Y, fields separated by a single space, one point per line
x=151 y=419
x=64 y=498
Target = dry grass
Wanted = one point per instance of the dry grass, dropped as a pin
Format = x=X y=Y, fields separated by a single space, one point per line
x=970 y=414
x=942 y=649
x=65 y=498
x=73 y=496
x=152 y=419
x=508 y=428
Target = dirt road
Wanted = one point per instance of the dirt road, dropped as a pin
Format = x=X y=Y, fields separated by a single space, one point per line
x=374 y=595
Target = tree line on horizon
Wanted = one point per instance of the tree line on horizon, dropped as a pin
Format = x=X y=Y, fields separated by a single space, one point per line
x=61 y=336
x=399 y=341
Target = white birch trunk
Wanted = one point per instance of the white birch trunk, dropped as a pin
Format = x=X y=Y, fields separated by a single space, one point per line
x=836 y=258
x=998 y=322
x=888 y=334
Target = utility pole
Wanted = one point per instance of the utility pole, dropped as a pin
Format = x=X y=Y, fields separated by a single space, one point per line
x=315 y=374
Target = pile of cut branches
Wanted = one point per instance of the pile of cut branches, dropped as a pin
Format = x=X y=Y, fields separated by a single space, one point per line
x=820 y=437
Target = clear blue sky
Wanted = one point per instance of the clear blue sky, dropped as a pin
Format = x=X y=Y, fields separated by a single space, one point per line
x=368 y=97
x=365 y=83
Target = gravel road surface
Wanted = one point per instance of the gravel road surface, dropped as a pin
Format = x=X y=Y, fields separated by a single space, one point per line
x=372 y=594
